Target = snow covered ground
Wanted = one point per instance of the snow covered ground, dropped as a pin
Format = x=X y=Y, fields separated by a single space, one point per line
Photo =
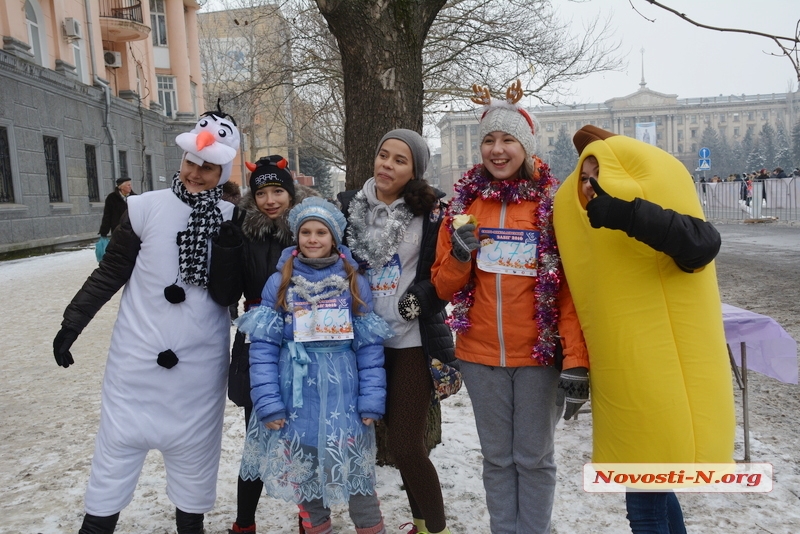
x=50 y=416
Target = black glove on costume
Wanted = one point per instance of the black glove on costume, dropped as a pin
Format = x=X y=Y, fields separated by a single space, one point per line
x=574 y=386
x=230 y=235
x=464 y=242
x=61 y=345
x=605 y=211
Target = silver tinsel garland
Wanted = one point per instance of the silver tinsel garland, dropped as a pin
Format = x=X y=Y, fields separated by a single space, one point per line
x=376 y=252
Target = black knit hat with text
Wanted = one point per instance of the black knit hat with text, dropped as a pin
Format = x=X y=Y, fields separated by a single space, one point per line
x=270 y=171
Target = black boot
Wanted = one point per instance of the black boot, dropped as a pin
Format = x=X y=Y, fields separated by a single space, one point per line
x=93 y=524
x=188 y=523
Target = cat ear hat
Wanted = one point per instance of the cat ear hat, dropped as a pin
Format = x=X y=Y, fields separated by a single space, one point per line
x=214 y=139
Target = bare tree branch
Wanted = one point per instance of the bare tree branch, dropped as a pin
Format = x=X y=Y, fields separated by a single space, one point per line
x=787 y=45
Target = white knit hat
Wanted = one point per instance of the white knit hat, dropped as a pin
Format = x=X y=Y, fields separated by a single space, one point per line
x=510 y=119
x=506 y=116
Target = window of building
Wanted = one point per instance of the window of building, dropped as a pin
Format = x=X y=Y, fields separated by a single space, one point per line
x=473 y=144
x=736 y=132
x=564 y=125
x=626 y=122
x=158 y=22
x=53 y=166
x=735 y=117
x=658 y=121
x=750 y=128
x=34 y=31
x=723 y=117
x=6 y=182
x=693 y=119
x=549 y=126
x=764 y=115
x=658 y=136
x=680 y=135
x=680 y=119
x=461 y=131
x=91 y=173
x=460 y=145
x=473 y=129
x=476 y=158
x=461 y=162
x=606 y=124
x=123 y=164
x=751 y=116
x=148 y=172
x=680 y=148
x=551 y=141
x=167 y=96
x=693 y=133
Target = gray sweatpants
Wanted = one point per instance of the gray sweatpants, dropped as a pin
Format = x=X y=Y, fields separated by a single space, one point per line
x=516 y=415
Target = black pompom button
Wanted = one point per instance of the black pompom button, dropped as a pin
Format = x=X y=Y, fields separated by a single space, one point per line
x=167 y=359
x=174 y=294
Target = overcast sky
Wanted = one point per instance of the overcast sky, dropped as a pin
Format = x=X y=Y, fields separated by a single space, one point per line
x=685 y=60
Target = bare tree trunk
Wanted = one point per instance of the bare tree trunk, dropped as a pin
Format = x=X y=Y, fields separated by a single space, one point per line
x=380 y=42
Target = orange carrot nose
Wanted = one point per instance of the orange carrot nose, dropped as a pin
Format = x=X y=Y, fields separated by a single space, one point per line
x=204 y=139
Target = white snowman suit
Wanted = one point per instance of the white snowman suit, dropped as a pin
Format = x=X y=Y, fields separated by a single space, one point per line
x=178 y=411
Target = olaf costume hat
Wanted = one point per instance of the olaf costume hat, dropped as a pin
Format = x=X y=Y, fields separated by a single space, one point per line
x=214 y=139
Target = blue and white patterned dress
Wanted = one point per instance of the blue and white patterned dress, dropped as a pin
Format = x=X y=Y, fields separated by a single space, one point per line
x=324 y=451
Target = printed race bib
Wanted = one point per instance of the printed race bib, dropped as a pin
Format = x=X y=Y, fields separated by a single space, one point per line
x=331 y=321
x=508 y=251
x=384 y=281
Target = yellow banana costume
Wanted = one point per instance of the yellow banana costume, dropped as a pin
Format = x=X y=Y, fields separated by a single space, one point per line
x=660 y=377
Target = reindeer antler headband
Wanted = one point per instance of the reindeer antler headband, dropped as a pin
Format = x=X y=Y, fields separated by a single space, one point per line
x=514 y=94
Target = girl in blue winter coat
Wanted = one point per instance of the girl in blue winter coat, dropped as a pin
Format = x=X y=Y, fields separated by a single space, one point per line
x=317 y=377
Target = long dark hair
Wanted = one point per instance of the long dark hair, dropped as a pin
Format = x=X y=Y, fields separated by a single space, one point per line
x=419 y=196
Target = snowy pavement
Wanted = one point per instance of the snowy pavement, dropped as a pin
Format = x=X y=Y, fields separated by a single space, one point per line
x=50 y=417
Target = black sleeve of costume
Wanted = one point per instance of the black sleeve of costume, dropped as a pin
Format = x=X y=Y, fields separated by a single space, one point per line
x=114 y=271
x=693 y=243
x=105 y=225
x=225 y=282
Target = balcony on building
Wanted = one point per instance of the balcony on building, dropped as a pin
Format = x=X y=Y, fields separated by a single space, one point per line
x=122 y=21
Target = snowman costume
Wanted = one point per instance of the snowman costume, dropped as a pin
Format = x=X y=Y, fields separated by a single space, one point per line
x=165 y=379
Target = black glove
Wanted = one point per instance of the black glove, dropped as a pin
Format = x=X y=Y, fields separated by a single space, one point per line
x=574 y=388
x=230 y=235
x=464 y=242
x=409 y=307
x=605 y=211
x=61 y=344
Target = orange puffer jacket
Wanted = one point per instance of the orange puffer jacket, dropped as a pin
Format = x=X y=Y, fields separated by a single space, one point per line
x=503 y=328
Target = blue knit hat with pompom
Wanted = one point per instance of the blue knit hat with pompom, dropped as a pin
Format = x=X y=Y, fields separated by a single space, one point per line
x=318 y=209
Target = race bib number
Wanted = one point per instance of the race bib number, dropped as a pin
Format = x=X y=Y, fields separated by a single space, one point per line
x=331 y=321
x=384 y=281
x=508 y=251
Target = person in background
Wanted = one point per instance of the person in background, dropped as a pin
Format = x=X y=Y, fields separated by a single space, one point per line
x=116 y=204
x=164 y=382
x=393 y=221
x=252 y=242
x=318 y=378
x=511 y=308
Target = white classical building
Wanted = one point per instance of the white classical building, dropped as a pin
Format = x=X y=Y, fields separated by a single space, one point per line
x=678 y=124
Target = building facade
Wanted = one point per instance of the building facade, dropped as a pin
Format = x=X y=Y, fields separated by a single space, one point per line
x=678 y=124
x=90 y=91
x=245 y=58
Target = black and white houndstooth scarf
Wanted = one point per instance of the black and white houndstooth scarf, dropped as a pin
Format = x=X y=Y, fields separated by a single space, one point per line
x=204 y=223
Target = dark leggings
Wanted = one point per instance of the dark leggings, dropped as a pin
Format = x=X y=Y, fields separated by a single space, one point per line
x=409 y=390
x=247 y=492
